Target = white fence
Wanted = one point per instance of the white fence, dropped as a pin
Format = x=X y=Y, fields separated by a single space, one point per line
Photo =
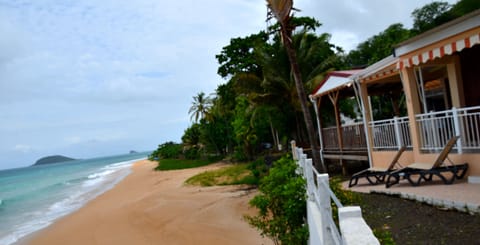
x=438 y=127
x=391 y=133
x=322 y=228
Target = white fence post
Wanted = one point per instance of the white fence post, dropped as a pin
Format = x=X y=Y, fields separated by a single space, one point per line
x=303 y=158
x=309 y=178
x=325 y=206
x=354 y=228
x=294 y=150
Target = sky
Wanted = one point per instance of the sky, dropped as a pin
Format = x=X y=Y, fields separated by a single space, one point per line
x=89 y=78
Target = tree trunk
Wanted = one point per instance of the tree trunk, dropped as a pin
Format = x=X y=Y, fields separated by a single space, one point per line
x=303 y=99
x=275 y=142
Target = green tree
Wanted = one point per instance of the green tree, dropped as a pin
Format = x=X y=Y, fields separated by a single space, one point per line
x=430 y=16
x=243 y=129
x=191 y=135
x=378 y=47
x=239 y=57
x=463 y=7
x=200 y=106
x=281 y=11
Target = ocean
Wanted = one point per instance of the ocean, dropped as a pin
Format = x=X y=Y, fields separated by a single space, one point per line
x=31 y=198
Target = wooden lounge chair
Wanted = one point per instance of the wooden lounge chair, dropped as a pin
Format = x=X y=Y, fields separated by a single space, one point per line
x=376 y=175
x=426 y=171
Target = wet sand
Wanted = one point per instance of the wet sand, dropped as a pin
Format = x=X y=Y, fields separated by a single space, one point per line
x=155 y=207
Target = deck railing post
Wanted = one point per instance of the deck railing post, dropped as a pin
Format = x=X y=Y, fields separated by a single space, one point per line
x=456 y=123
x=397 y=132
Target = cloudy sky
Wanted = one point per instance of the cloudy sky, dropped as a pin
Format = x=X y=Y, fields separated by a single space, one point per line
x=87 y=78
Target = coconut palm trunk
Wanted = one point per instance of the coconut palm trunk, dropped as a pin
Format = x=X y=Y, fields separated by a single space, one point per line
x=281 y=10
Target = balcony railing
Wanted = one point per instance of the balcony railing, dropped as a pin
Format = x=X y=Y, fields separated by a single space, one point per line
x=437 y=127
x=330 y=138
x=391 y=133
x=353 y=138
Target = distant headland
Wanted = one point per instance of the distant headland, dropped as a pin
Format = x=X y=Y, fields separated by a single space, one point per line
x=52 y=159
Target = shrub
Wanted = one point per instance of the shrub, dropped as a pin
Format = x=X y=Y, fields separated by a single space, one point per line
x=259 y=169
x=239 y=155
x=166 y=150
x=281 y=204
x=192 y=153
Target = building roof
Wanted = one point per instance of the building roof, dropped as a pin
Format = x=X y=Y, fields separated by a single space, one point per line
x=379 y=69
x=335 y=80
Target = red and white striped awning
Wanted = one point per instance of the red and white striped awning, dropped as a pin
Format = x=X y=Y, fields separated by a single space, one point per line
x=439 y=52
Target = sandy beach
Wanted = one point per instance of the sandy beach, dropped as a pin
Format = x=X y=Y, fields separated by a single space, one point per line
x=155 y=207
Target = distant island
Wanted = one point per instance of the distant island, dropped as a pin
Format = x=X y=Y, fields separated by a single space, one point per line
x=52 y=159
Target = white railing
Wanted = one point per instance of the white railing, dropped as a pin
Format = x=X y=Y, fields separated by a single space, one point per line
x=391 y=133
x=321 y=226
x=436 y=128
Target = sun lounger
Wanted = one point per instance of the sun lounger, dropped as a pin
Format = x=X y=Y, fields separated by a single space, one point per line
x=376 y=175
x=417 y=172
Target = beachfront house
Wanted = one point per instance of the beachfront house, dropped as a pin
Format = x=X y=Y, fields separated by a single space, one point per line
x=435 y=78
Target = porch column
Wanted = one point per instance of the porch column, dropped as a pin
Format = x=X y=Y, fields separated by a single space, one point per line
x=366 y=120
x=455 y=82
x=334 y=98
x=413 y=105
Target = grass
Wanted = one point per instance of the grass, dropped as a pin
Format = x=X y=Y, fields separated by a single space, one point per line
x=174 y=164
x=232 y=175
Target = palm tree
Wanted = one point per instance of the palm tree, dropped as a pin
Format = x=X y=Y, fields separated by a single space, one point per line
x=200 y=107
x=281 y=10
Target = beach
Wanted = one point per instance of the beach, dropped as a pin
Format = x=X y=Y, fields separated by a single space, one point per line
x=155 y=207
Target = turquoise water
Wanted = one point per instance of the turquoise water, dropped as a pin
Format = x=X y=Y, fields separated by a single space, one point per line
x=32 y=198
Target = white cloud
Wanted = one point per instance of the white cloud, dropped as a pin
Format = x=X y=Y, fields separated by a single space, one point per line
x=22 y=148
x=361 y=18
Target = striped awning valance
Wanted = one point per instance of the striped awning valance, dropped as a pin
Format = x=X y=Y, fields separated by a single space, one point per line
x=439 y=52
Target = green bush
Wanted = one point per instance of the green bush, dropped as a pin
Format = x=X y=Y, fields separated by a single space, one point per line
x=166 y=150
x=281 y=204
x=192 y=153
x=239 y=155
x=259 y=169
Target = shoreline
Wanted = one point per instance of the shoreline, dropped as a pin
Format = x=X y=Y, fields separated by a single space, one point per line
x=152 y=207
